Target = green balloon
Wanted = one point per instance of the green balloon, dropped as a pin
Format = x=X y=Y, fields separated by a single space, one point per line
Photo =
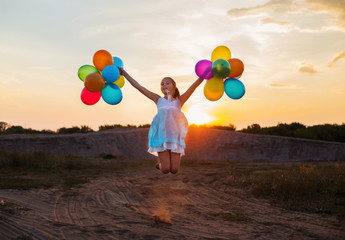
x=85 y=70
x=221 y=68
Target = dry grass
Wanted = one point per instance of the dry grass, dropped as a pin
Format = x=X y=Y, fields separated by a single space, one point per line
x=25 y=170
x=317 y=187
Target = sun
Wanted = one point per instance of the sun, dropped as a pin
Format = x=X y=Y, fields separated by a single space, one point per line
x=196 y=115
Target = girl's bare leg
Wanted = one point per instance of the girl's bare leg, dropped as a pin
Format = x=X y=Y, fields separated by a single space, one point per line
x=175 y=162
x=164 y=159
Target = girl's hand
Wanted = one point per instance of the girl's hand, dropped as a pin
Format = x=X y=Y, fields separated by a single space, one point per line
x=122 y=71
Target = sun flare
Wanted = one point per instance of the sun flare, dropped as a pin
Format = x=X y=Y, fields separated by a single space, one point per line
x=196 y=115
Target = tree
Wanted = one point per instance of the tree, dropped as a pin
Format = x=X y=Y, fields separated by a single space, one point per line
x=15 y=129
x=231 y=127
x=85 y=129
x=3 y=127
x=254 y=128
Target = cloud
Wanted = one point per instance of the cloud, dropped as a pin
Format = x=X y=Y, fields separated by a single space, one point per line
x=8 y=79
x=334 y=6
x=337 y=58
x=280 y=6
x=306 y=68
x=342 y=90
x=294 y=6
x=272 y=21
x=279 y=85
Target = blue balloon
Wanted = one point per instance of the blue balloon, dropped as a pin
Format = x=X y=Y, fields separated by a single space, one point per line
x=234 y=88
x=111 y=94
x=118 y=62
x=111 y=73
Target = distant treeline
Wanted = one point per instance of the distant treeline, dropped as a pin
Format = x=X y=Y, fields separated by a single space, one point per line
x=230 y=127
x=6 y=128
x=325 y=132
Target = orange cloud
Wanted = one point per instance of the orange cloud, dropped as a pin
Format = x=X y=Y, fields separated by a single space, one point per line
x=279 y=85
x=272 y=21
x=337 y=58
x=281 y=6
x=334 y=6
x=309 y=69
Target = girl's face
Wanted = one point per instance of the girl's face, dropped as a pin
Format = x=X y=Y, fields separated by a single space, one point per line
x=167 y=85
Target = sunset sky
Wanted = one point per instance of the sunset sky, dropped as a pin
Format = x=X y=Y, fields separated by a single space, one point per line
x=293 y=53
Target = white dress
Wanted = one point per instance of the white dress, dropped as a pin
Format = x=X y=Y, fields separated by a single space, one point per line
x=168 y=128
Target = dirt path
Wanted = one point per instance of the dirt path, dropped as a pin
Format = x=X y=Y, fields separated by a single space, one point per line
x=194 y=204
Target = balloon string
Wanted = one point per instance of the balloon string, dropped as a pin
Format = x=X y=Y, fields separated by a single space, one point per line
x=169 y=97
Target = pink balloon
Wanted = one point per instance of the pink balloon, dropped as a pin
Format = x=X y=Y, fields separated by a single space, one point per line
x=203 y=69
x=89 y=98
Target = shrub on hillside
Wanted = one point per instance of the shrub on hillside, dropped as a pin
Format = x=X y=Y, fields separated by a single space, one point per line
x=75 y=129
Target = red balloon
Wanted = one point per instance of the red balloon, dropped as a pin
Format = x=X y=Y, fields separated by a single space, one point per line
x=102 y=58
x=89 y=98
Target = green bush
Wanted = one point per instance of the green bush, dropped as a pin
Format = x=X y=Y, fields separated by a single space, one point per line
x=326 y=132
x=75 y=129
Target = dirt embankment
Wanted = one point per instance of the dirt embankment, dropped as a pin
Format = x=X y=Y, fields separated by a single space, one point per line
x=202 y=144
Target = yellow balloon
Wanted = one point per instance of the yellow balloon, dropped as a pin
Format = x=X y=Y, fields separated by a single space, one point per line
x=214 y=89
x=222 y=52
x=120 y=81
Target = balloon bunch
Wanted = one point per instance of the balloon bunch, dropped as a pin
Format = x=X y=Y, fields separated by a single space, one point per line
x=222 y=74
x=102 y=80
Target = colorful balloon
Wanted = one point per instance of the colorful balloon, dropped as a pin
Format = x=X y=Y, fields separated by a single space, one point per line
x=237 y=67
x=234 y=88
x=222 y=52
x=214 y=89
x=203 y=69
x=94 y=82
x=111 y=94
x=120 y=82
x=118 y=62
x=85 y=70
x=111 y=73
x=101 y=59
x=221 y=68
x=89 y=98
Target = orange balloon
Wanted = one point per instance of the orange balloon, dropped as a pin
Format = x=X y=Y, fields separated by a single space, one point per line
x=237 y=67
x=214 y=89
x=101 y=59
x=94 y=82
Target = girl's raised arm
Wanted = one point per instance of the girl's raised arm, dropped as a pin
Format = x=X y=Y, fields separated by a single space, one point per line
x=151 y=95
x=184 y=97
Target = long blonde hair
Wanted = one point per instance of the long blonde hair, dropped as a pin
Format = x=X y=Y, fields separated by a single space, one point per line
x=176 y=93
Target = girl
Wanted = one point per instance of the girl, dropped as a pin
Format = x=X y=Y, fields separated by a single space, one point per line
x=169 y=127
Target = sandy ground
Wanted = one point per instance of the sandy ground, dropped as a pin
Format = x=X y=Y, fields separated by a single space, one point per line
x=194 y=204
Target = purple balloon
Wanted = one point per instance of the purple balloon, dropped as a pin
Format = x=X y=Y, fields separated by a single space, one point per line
x=203 y=69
